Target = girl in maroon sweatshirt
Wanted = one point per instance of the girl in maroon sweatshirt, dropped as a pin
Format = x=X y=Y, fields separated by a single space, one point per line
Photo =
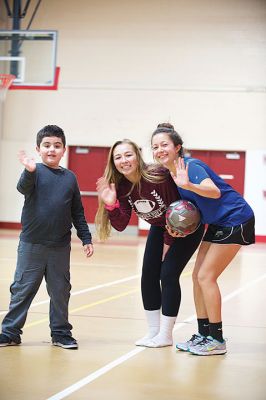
x=129 y=184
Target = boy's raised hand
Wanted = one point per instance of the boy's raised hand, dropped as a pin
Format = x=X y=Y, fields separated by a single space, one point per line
x=29 y=163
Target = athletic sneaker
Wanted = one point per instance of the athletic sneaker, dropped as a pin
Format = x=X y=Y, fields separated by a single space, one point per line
x=208 y=347
x=6 y=341
x=193 y=341
x=67 y=342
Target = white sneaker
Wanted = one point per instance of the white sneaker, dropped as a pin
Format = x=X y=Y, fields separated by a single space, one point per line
x=208 y=347
x=193 y=341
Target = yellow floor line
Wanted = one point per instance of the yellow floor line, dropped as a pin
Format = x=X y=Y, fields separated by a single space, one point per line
x=96 y=303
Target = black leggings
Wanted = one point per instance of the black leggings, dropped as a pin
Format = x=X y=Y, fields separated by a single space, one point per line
x=160 y=280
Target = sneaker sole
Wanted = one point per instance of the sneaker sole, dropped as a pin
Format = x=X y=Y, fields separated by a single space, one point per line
x=65 y=346
x=9 y=344
x=211 y=353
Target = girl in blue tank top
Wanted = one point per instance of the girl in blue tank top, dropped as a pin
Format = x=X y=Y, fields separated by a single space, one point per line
x=230 y=222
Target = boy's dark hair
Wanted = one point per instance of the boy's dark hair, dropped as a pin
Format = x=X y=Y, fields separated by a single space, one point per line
x=48 y=131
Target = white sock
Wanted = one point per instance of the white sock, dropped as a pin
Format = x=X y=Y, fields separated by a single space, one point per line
x=153 y=320
x=165 y=336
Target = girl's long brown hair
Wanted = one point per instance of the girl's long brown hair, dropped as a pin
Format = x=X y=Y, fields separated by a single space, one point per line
x=151 y=173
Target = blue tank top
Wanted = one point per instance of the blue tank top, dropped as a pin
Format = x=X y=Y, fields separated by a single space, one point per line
x=230 y=209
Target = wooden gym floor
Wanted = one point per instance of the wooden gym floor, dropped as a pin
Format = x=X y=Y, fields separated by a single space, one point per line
x=107 y=315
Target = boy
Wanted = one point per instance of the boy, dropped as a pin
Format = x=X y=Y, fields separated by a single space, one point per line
x=52 y=204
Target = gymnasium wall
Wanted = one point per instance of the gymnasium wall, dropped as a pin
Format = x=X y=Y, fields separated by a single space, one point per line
x=126 y=66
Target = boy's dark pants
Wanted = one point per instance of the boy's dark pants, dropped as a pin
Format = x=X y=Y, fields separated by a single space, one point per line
x=34 y=262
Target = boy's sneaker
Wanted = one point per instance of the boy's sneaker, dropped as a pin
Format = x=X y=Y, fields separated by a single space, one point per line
x=6 y=341
x=67 y=342
x=208 y=347
x=193 y=341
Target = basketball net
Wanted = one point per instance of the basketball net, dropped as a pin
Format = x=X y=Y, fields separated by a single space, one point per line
x=5 y=82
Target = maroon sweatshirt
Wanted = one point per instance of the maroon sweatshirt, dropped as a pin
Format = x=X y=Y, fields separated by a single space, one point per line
x=150 y=203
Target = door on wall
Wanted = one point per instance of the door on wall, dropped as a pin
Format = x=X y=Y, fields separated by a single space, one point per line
x=229 y=165
x=88 y=164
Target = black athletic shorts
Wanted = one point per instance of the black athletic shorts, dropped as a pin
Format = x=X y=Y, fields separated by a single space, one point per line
x=243 y=234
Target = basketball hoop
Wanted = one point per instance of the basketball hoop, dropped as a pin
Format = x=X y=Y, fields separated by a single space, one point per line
x=5 y=82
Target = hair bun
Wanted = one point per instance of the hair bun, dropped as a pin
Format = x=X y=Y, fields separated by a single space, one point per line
x=166 y=125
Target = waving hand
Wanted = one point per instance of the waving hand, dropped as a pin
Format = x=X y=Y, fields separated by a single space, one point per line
x=181 y=177
x=106 y=191
x=29 y=163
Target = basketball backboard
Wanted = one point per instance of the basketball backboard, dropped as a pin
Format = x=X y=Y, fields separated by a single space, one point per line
x=30 y=56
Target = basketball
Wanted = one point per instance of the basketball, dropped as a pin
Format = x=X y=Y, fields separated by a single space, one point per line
x=183 y=217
